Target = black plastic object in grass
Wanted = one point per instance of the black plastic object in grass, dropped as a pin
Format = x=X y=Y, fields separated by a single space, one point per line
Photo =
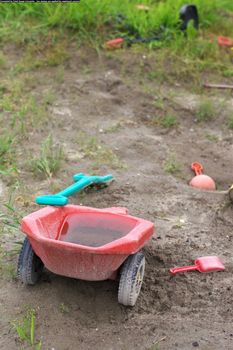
x=188 y=14
x=118 y=42
x=128 y=40
x=129 y=33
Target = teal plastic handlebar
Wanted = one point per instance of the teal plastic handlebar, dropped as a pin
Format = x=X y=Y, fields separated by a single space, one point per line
x=81 y=181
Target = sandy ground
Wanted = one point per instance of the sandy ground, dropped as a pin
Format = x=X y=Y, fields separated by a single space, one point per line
x=109 y=100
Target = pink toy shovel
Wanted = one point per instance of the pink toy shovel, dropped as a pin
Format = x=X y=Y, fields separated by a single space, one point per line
x=201 y=181
x=204 y=264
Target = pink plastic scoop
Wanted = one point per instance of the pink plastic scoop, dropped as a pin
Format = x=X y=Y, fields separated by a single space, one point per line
x=201 y=181
x=203 y=264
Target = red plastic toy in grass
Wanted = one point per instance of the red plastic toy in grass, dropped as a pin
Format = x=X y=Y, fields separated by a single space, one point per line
x=201 y=181
x=114 y=43
x=204 y=264
x=225 y=41
x=86 y=243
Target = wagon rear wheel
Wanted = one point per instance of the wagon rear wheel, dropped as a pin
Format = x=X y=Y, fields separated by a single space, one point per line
x=131 y=277
x=30 y=266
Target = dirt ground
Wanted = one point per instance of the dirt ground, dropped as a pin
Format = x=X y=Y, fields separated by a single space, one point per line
x=109 y=97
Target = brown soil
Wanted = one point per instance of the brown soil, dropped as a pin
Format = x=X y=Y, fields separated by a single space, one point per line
x=182 y=312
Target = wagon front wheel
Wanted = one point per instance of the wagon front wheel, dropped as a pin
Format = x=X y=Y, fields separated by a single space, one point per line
x=30 y=266
x=131 y=277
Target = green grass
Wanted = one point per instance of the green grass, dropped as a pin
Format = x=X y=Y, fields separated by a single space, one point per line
x=228 y=73
x=206 y=111
x=6 y=143
x=171 y=165
x=25 y=329
x=64 y=309
x=10 y=218
x=49 y=160
x=49 y=98
x=21 y=106
x=168 y=121
x=92 y=18
x=114 y=128
x=60 y=75
x=2 y=60
x=43 y=53
x=212 y=138
x=94 y=149
x=46 y=29
x=21 y=112
x=7 y=154
x=93 y=15
x=230 y=122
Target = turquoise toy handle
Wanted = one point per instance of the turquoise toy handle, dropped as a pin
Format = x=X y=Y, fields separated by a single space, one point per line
x=78 y=176
x=93 y=179
x=52 y=199
x=81 y=181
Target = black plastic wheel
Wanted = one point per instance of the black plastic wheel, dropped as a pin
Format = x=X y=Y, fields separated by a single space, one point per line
x=188 y=14
x=30 y=266
x=131 y=277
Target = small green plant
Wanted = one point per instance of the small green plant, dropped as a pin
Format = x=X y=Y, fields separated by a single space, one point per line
x=206 y=111
x=114 y=128
x=168 y=121
x=56 y=55
x=228 y=73
x=64 y=308
x=159 y=103
x=6 y=143
x=230 y=122
x=25 y=329
x=25 y=112
x=43 y=53
x=2 y=60
x=11 y=219
x=49 y=160
x=59 y=76
x=172 y=166
x=49 y=98
x=158 y=75
x=7 y=155
x=93 y=149
x=213 y=138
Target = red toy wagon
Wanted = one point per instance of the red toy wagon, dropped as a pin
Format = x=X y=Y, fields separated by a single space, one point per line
x=86 y=243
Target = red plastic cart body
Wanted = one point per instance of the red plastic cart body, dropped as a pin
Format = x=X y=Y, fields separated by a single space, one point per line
x=83 y=242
